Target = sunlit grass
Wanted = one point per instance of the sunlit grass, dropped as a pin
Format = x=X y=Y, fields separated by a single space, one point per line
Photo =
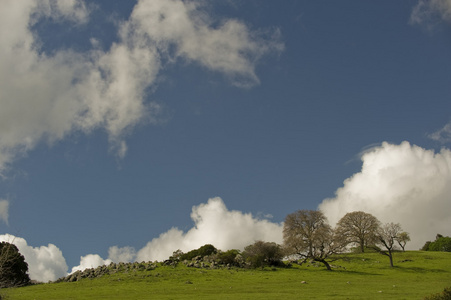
x=356 y=276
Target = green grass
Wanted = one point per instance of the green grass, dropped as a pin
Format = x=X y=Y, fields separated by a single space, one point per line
x=360 y=276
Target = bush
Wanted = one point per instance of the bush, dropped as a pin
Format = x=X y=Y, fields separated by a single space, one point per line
x=262 y=254
x=445 y=295
x=425 y=246
x=13 y=268
x=202 y=252
x=228 y=257
x=441 y=244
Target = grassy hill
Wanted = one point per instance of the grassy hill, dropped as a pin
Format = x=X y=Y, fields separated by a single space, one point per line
x=355 y=276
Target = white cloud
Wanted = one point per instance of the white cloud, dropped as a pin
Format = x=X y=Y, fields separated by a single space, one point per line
x=213 y=224
x=229 y=47
x=90 y=261
x=443 y=135
x=428 y=12
x=47 y=96
x=399 y=183
x=4 y=210
x=45 y=263
x=124 y=254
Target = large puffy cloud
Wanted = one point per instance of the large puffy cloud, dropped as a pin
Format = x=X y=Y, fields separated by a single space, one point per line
x=427 y=12
x=45 y=263
x=399 y=183
x=46 y=96
x=213 y=224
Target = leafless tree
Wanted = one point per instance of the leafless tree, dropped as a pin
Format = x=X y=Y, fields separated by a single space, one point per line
x=402 y=239
x=307 y=234
x=358 y=228
x=387 y=238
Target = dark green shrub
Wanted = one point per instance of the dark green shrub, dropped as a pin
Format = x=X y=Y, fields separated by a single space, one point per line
x=441 y=244
x=425 y=246
x=13 y=268
x=202 y=251
x=228 y=257
x=262 y=254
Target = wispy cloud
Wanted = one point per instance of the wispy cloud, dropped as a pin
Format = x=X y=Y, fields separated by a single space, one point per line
x=4 y=210
x=443 y=135
x=46 y=96
x=429 y=12
x=399 y=183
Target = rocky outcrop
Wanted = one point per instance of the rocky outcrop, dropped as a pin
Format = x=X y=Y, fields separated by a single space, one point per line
x=206 y=262
x=107 y=270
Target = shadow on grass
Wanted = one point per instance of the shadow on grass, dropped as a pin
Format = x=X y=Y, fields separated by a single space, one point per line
x=353 y=272
x=419 y=270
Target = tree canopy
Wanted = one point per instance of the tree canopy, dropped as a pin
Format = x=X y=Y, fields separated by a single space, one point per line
x=13 y=268
x=358 y=228
x=263 y=253
x=306 y=233
x=387 y=237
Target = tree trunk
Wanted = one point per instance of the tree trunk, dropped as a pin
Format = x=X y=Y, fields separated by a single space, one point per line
x=324 y=262
x=390 y=255
x=362 y=245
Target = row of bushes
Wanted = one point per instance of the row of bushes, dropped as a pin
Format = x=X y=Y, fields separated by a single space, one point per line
x=259 y=254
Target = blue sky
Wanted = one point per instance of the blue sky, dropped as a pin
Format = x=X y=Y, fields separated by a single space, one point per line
x=116 y=127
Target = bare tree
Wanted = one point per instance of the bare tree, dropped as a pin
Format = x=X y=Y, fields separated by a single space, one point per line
x=402 y=239
x=307 y=234
x=387 y=238
x=359 y=228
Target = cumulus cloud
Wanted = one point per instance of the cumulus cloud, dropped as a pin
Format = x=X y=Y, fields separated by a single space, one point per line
x=399 y=183
x=443 y=135
x=90 y=261
x=213 y=224
x=45 y=263
x=429 y=12
x=4 y=210
x=46 y=96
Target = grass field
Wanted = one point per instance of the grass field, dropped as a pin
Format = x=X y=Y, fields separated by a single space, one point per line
x=357 y=276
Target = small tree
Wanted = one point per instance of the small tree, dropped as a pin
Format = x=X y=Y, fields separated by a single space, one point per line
x=13 y=268
x=387 y=237
x=307 y=234
x=402 y=239
x=358 y=228
x=262 y=253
